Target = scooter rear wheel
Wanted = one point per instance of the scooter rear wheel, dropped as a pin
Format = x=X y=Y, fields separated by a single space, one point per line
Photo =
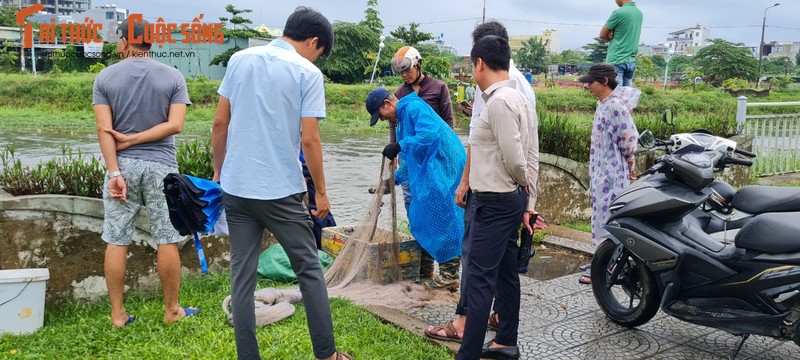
x=631 y=297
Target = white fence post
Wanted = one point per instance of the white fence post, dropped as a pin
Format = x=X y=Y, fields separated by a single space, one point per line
x=741 y=113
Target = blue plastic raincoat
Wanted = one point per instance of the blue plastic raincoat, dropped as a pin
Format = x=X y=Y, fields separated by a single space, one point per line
x=432 y=160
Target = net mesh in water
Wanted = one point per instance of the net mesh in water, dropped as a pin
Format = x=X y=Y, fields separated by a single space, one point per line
x=352 y=263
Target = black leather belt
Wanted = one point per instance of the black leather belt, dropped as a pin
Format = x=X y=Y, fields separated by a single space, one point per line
x=487 y=196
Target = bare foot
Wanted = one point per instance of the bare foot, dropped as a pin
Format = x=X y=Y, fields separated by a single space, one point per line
x=119 y=319
x=495 y=345
x=338 y=356
x=174 y=315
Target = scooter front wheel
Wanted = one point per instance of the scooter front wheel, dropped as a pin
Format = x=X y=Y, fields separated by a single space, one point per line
x=623 y=286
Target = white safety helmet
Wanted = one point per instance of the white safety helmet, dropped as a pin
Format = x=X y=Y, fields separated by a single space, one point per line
x=405 y=58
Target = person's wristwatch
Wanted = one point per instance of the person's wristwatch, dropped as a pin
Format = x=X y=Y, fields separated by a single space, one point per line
x=113 y=174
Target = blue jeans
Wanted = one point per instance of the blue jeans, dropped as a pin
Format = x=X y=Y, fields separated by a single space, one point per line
x=625 y=73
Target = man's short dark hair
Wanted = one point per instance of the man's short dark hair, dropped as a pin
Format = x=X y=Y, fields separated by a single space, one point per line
x=494 y=51
x=491 y=27
x=138 y=33
x=305 y=23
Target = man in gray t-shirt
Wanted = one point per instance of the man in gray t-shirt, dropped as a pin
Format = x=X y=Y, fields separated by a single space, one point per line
x=139 y=105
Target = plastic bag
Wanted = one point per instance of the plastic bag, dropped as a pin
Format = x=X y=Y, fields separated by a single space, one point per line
x=273 y=263
x=221 y=226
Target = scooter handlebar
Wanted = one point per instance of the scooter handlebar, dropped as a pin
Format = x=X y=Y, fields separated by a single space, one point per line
x=737 y=161
x=745 y=153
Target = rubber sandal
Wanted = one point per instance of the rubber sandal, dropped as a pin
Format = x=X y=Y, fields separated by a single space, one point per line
x=586 y=277
x=585 y=267
x=130 y=320
x=450 y=333
x=189 y=311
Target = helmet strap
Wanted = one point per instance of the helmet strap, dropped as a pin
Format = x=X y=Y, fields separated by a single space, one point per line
x=419 y=77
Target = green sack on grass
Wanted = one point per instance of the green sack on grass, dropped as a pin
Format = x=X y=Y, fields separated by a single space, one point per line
x=274 y=264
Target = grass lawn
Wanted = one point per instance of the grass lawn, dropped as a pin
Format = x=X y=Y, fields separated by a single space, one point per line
x=74 y=331
x=584 y=226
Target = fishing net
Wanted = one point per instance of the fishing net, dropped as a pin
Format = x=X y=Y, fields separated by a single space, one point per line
x=352 y=264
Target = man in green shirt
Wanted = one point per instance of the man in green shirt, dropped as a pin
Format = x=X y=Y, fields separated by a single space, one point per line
x=622 y=30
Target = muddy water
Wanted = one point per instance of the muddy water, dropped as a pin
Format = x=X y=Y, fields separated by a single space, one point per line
x=550 y=263
x=352 y=165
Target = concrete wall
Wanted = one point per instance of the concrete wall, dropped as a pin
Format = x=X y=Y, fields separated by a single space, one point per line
x=62 y=233
x=564 y=183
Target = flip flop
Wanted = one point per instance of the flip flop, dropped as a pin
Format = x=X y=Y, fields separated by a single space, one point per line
x=450 y=333
x=130 y=320
x=585 y=267
x=189 y=311
x=586 y=277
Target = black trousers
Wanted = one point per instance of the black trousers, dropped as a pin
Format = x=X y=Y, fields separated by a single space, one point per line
x=461 y=308
x=492 y=269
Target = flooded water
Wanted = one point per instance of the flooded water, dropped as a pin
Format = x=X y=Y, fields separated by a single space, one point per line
x=551 y=262
x=352 y=165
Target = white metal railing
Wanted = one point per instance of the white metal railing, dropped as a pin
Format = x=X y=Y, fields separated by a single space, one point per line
x=776 y=137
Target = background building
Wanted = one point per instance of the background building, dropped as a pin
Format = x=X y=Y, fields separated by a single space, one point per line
x=57 y=7
x=688 y=41
x=439 y=43
x=550 y=36
x=787 y=49
x=109 y=15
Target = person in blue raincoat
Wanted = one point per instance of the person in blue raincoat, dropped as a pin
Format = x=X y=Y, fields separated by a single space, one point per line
x=433 y=159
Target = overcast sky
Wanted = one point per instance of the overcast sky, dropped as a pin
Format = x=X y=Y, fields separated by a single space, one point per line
x=578 y=21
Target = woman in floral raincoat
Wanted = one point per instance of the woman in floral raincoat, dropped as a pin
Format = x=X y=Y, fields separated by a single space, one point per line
x=613 y=147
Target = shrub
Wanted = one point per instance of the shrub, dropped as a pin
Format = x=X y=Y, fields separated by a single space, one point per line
x=76 y=174
x=392 y=81
x=782 y=82
x=71 y=174
x=735 y=84
x=648 y=90
x=96 y=68
x=55 y=71
x=559 y=135
x=195 y=158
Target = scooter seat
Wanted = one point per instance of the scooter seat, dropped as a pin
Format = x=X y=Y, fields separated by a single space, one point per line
x=774 y=233
x=763 y=199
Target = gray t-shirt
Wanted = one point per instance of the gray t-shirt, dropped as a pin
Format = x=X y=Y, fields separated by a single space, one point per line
x=140 y=91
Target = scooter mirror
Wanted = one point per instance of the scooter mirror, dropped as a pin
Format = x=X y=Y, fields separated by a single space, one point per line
x=669 y=117
x=647 y=139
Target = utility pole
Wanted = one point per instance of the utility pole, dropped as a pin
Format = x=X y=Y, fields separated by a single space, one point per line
x=761 y=44
x=21 y=44
x=483 y=20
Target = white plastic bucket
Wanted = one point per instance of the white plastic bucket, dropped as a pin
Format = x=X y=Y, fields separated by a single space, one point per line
x=22 y=300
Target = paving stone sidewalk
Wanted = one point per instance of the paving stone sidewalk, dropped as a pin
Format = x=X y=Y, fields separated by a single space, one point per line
x=559 y=319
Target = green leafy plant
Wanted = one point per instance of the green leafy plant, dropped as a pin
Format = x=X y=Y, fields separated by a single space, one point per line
x=71 y=174
x=77 y=174
x=195 y=158
x=96 y=68
x=735 y=84
x=782 y=82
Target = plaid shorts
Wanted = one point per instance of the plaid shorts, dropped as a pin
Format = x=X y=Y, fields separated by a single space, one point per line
x=145 y=182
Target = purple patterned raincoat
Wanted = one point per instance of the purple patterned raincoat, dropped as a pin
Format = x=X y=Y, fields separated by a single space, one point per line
x=614 y=138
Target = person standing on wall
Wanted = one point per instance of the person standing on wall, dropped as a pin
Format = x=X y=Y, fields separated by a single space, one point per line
x=622 y=31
